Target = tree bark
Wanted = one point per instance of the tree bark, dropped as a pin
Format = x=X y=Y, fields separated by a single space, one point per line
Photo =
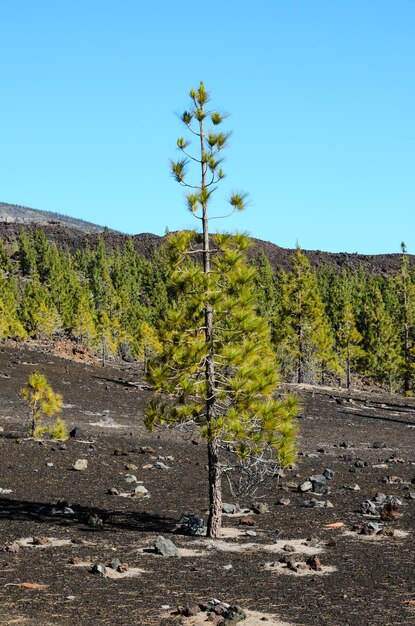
x=215 y=491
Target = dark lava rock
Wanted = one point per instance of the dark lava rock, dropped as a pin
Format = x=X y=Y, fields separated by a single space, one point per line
x=190 y=524
x=77 y=433
x=378 y=444
x=313 y=562
x=98 y=569
x=319 y=483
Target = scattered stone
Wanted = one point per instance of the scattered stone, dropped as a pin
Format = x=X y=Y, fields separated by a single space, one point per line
x=393 y=480
x=283 y=501
x=319 y=483
x=4 y=492
x=305 y=486
x=233 y=615
x=380 y=466
x=314 y=503
x=70 y=598
x=80 y=465
x=94 y=520
x=120 y=452
x=131 y=467
x=389 y=512
x=140 y=491
x=374 y=528
x=165 y=547
x=190 y=524
x=379 y=498
x=246 y=521
x=99 y=569
x=12 y=547
x=313 y=562
x=368 y=508
x=68 y=511
x=328 y=474
x=393 y=500
x=378 y=444
x=190 y=610
x=75 y=560
x=77 y=433
x=410 y=495
x=359 y=463
x=122 y=568
x=229 y=509
x=250 y=533
x=354 y=487
x=288 y=548
x=40 y=540
x=311 y=542
x=130 y=478
x=49 y=464
x=146 y=450
x=112 y=491
x=260 y=508
x=228 y=567
x=114 y=563
x=161 y=465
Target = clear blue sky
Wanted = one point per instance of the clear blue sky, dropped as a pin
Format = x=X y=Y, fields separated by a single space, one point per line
x=321 y=95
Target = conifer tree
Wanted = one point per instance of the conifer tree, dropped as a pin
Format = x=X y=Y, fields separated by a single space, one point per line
x=348 y=340
x=406 y=295
x=216 y=364
x=302 y=334
x=380 y=341
x=27 y=254
x=43 y=402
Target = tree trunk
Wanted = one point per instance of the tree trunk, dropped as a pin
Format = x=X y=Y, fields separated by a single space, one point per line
x=215 y=491
x=215 y=485
x=348 y=372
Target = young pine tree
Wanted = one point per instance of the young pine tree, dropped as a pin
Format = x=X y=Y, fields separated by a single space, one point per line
x=43 y=402
x=216 y=364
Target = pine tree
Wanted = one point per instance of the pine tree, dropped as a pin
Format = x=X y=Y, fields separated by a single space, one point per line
x=27 y=254
x=348 y=340
x=304 y=343
x=406 y=294
x=381 y=360
x=43 y=402
x=217 y=364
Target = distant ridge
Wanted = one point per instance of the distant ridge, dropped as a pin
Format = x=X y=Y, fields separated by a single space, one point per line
x=74 y=233
x=15 y=214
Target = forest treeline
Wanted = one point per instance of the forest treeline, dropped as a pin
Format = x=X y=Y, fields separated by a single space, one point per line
x=327 y=326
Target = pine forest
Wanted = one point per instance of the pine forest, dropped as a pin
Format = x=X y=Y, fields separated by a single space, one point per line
x=328 y=325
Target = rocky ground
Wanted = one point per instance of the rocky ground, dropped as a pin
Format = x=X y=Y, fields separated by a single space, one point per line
x=332 y=542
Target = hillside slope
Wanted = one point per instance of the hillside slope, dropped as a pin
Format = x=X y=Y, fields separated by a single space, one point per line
x=73 y=233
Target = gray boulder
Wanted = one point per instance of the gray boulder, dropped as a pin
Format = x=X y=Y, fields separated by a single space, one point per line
x=165 y=547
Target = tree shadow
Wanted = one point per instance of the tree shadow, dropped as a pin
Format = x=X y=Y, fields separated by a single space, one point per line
x=123 y=383
x=87 y=518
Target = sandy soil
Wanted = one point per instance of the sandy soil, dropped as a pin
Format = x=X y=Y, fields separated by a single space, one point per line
x=366 y=582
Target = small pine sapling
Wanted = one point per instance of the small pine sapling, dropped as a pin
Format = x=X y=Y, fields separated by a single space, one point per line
x=43 y=402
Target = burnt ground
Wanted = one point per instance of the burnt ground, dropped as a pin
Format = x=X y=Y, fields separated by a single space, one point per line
x=371 y=581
